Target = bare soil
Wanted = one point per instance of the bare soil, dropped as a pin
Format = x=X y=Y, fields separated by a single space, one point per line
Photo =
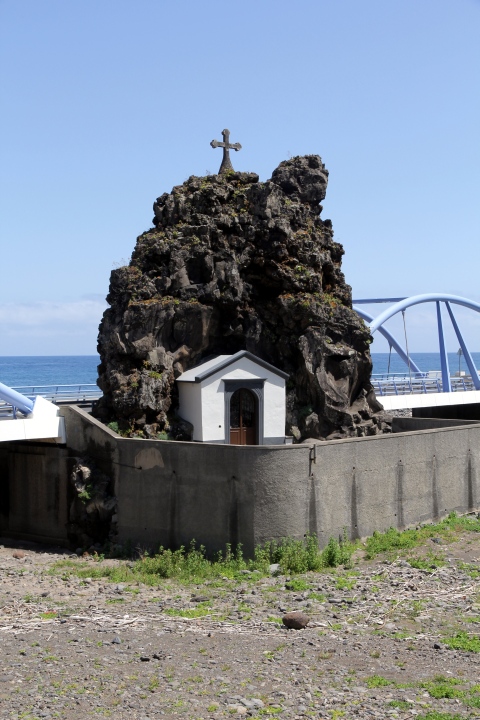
x=76 y=648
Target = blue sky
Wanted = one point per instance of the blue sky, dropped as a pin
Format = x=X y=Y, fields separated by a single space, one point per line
x=106 y=105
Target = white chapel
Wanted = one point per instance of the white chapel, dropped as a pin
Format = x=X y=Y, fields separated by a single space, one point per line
x=234 y=399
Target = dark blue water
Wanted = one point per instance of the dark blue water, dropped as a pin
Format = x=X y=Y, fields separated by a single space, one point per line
x=69 y=370
x=82 y=369
x=425 y=361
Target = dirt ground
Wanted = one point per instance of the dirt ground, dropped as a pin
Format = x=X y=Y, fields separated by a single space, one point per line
x=377 y=645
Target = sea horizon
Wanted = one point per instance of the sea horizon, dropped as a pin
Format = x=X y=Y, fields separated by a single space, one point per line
x=28 y=370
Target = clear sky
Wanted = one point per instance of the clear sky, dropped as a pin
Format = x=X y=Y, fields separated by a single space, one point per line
x=107 y=104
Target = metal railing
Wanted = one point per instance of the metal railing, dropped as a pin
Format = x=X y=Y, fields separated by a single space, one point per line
x=419 y=383
x=82 y=394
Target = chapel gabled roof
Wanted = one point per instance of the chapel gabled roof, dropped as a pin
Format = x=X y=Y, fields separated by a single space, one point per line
x=210 y=367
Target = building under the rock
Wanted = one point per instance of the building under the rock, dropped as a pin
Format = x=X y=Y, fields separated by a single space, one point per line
x=233 y=264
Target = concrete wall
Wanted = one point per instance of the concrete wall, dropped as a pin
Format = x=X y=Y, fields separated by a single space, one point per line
x=34 y=493
x=172 y=492
x=169 y=493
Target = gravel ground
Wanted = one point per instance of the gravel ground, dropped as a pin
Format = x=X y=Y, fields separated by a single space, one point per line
x=77 y=648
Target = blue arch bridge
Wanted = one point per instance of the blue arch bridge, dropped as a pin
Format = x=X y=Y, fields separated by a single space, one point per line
x=416 y=388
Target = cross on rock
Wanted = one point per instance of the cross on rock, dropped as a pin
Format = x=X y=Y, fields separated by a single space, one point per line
x=226 y=145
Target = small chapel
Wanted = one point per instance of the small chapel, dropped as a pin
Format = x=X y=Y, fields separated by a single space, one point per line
x=234 y=399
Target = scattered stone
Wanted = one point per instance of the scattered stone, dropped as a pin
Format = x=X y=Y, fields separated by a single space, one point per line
x=18 y=554
x=116 y=641
x=274 y=569
x=295 y=620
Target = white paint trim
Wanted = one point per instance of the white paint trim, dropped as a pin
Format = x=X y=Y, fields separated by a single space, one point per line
x=43 y=423
x=401 y=402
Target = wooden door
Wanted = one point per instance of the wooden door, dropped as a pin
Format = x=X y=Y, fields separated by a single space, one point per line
x=243 y=418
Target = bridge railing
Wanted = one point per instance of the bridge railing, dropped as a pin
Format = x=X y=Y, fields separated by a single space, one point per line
x=59 y=394
x=419 y=383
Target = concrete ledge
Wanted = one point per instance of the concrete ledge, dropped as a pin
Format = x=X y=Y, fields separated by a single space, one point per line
x=401 y=402
x=171 y=492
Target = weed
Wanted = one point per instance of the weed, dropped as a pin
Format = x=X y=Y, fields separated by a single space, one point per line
x=463 y=641
x=430 y=562
x=345 y=583
x=297 y=584
x=188 y=612
x=443 y=687
x=393 y=540
x=439 y=716
x=400 y=704
x=377 y=681
x=471 y=570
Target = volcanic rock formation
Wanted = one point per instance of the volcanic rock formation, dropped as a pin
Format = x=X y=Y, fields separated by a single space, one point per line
x=234 y=264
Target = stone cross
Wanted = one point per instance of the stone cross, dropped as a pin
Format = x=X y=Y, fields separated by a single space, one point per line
x=226 y=145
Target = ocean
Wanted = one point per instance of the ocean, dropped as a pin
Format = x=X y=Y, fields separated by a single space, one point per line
x=44 y=370
x=82 y=369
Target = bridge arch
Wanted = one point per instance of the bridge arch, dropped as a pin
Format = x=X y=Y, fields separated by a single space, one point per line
x=401 y=304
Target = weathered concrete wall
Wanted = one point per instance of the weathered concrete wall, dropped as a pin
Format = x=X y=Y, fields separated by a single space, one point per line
x=34 y=494
x=170 y=493
x=396 y=480
x=412 y=424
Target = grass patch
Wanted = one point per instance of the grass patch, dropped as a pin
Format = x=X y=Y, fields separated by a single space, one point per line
x=393 y=540
x=192 y=564
x=430 y=562
x=297 y=584
x=463 y=641
x=443 y=687
x=375 y=681
x=440 y=716
x=400 y=704
x=189 y=612
x=472 y=571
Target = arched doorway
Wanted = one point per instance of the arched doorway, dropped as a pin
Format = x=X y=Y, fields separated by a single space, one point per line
x=243 y=418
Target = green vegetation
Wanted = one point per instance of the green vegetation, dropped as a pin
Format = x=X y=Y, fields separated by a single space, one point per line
x=400 y=704
x=189 y=612
x=294 y=557
x=462 y=640
x=472 y=571
x=442 y=687
x=162 y=435
x=394 y=540
x=440 y=716
x=192 y=564
x=297 y=584
x=377 y=681
x=430 y=562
